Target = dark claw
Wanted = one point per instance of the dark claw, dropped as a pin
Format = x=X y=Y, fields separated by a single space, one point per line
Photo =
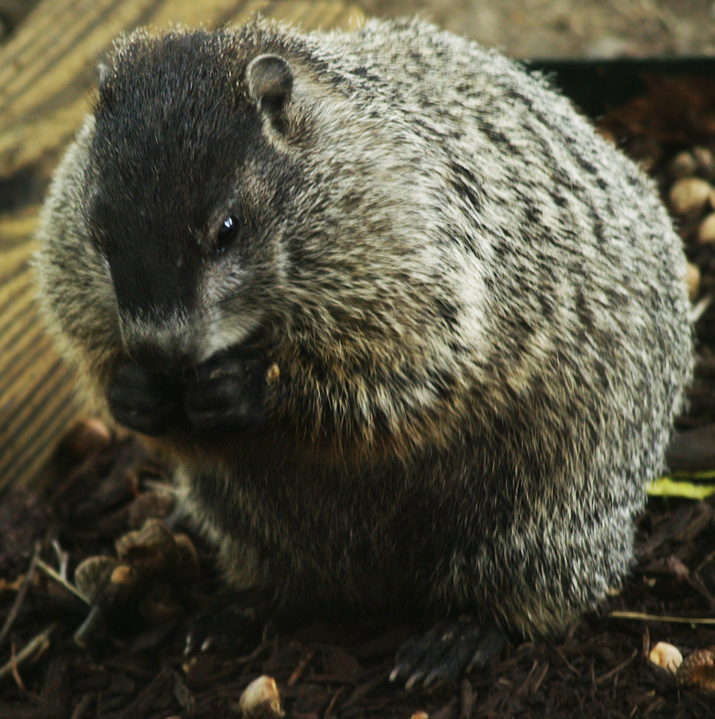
x=447 y=651
x=231 y=619
x=143 y=401
x=489 y=648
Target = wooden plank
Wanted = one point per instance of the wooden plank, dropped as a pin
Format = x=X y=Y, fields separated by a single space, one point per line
x=47 y=72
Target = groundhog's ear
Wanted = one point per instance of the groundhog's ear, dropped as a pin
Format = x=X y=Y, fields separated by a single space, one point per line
x=270 y=83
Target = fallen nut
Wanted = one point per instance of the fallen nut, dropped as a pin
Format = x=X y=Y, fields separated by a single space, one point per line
x=706 y=229
x=155 y=504
x=689 y=195
x=154 y=535
x=683 y=164
x=705 y=161
x=124 y=575
x=93 y=575
x=692 y=278
x=151 y=549
x=666 y=656
x=606 y=135
x=260 y=699
x=698 y=670
x=86 y=437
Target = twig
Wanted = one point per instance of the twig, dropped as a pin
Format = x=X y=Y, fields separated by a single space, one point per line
x=83 y=707
x=615 y=670
x=363 y=690
x=300 y=669
x=539 y=678
x=33 y=648
x=566 y=661
x=22 y=593
x=524 y=685
x=14 y=670
x=139 y=706
x=50 y=572
x=329 y=711
x=654 y=618
x=62 y=558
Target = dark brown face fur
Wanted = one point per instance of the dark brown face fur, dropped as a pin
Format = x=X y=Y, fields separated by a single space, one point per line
x=174 y=132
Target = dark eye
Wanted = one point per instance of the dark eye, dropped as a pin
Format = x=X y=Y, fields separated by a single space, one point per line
x=226 y=235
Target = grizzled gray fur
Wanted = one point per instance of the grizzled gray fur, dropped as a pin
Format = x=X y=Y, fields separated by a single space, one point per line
x=414 y=332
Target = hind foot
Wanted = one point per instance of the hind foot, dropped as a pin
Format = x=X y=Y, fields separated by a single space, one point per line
x=231 y=619
x=451 y=648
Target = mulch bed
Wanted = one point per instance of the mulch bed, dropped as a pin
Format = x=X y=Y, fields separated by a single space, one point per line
x=103 y=489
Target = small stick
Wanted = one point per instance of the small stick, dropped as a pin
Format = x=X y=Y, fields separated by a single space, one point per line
x=567 y=662
x=22 y=593
x=50 y=572
x=32 y=649
x=654 y=618
x=300 y=669
x=63 y=558
x=83 y=707
x=616 y=670
x=333 y=702
x=360 y=692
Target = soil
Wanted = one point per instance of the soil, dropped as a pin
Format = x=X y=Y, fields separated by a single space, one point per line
x=137 y=668
x=132 y=663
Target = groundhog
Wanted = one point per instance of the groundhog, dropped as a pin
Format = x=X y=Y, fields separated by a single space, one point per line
x=413 y=331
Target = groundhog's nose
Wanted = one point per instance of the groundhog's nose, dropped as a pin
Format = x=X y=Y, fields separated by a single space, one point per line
x=155 y=358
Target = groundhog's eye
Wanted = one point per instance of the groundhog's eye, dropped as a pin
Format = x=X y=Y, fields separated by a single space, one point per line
x=226 y=235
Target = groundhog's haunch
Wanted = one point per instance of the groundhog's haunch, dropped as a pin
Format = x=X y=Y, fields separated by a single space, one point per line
x=415 y=331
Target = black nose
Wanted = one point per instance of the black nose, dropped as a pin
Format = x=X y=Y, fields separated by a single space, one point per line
x=155 y=358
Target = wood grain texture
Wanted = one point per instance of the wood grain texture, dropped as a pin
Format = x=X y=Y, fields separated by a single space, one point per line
x=47 y=72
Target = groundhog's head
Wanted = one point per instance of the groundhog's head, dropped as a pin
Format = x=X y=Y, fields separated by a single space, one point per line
x=227 y=186
x=186 y=191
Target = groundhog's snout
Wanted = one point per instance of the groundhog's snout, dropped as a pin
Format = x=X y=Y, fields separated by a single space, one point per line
x=160 y=344
x=171 y=358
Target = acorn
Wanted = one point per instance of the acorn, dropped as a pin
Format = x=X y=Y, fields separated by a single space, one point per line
x=689 y=195
x=86 y=437
x=666 y=656
x=261 y=700
x=706 y=230
x=93 y=575
x=692 y=278
x=683 y=164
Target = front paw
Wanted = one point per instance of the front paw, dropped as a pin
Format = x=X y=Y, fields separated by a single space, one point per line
x=143 y=401
x=226 y=392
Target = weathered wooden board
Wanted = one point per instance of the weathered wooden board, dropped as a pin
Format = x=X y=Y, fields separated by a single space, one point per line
x=46 y=75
